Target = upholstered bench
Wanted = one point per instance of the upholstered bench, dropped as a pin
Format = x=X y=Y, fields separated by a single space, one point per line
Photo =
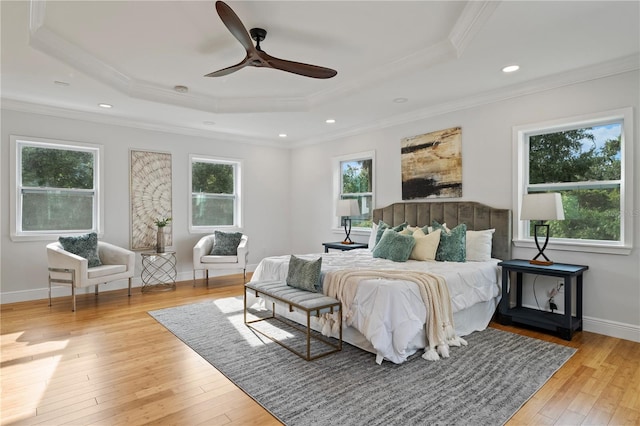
x=307 y=302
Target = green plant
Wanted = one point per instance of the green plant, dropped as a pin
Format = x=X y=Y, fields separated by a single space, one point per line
x=161 y=222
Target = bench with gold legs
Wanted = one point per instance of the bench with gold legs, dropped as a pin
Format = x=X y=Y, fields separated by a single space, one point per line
x=307 y=302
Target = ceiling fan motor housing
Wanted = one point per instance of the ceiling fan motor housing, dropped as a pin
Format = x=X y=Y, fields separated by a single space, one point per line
x=258 y=34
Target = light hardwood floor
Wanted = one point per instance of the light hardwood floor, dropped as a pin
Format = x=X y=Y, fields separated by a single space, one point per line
x=111 y=363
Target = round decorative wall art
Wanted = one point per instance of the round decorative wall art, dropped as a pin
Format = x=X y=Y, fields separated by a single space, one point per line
x=150 y=197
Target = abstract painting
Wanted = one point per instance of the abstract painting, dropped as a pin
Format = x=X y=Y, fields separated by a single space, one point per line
x=150 y=197
x=432 y=165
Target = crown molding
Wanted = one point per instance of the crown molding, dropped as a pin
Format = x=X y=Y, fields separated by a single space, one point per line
x=37 y=12
x=555 y=81
x=151 y=92
x=436 y=54
x=579 y=75
x=54 y=111
x=614 y=67
x=50 y=43
x=470 y=21
x=473 y=17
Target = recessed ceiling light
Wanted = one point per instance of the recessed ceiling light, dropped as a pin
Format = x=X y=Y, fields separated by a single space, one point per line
x=283 y=135
x=105 y=106
x=181 y=89
x=330 y=121
x=400 y=100
x=209 y=123
x=61 y=83
x=511 y=68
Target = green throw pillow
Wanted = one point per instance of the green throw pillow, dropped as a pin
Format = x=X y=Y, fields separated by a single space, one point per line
x=304 y=274
x=394 y=246
x=84 y=246
x=226 y=243
x=382 y=226
x=453 y=243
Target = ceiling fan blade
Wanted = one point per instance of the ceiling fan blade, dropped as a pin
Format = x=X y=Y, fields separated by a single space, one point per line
x=234 y=25
x=299 y=68
x=229 y=70
x=255 y=55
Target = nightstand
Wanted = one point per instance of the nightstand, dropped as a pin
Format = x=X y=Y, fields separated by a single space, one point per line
x=563 y=324
x=343 y=247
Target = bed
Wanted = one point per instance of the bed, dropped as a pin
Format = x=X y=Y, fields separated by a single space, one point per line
x=387 y=315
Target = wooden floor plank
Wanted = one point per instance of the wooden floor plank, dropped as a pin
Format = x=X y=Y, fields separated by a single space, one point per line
x=111 y=363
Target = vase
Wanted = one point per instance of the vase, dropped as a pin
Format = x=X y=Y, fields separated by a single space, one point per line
x=160 y=240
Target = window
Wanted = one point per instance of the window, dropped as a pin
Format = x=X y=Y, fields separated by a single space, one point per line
x=587 y=161
x=215 y=193
x=57 y=188
x=354 y=177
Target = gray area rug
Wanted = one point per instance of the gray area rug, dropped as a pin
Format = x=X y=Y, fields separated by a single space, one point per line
x=484 y=383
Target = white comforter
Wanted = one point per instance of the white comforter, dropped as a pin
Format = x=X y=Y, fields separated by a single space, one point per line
x=389 y=313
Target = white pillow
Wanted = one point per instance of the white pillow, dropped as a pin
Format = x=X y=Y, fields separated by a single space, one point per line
x=426 y=245
x=372 y=236
x=430 y=228
x=479 y=245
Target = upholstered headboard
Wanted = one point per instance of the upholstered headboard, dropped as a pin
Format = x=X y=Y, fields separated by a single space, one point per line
x=476 y=216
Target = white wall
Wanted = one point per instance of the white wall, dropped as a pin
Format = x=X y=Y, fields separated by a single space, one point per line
x=612 y=284
x=265 y=188
x=289 y=195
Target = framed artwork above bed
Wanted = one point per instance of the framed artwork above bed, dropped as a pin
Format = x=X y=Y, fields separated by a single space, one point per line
x=432 y=165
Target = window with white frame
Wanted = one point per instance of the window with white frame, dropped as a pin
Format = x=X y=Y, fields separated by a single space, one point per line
x=354 y=179
x=57 y=188
x=215 y=193
x=586 y=160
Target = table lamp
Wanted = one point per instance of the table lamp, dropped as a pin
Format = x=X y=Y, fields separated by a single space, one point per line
x=346 y=209
x=541 y=207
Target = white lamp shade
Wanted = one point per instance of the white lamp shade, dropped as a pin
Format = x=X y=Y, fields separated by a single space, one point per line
x=542 y=206
x=347 y=208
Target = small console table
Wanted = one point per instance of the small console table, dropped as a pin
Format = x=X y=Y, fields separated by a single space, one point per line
x=343 y=247
x=564 y=324
x=158 y=271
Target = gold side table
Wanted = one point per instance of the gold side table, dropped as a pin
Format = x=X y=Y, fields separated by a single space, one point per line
x=158 y=271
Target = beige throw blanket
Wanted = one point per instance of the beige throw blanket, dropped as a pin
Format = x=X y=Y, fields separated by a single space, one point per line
x=440 y=332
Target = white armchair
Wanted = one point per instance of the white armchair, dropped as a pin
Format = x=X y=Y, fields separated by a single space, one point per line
x=203 y=260
x=69 y=269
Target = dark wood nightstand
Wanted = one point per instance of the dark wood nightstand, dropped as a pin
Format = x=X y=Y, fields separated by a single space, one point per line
x=564 y=324
x=343 y=247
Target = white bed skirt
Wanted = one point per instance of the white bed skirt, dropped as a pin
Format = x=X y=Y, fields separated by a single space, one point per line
x=389 y=314
x=474 y=318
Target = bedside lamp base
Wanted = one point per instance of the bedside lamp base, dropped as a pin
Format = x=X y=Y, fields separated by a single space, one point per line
x=541 y=262
x=546 y=261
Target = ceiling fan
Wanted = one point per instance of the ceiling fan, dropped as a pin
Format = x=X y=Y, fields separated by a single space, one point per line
x=256 y=57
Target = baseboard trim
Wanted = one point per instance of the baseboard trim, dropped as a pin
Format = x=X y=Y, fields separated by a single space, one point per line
x=63 y=291
x=606 y=327
x=611 y=328
x=594 y=325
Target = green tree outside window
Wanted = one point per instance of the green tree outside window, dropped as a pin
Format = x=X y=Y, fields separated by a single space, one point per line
x=357 y=183
x=585 y=168
x=56 y=189
x=213 y=193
